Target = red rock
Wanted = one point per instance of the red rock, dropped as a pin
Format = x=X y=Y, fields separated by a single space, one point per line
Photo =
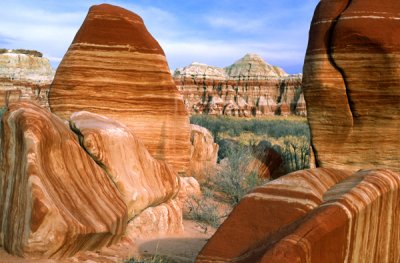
x=318 y=215
x=267 y=162
x=55 y=199
x=351 y=80
x=142 y=180
x=115 y=68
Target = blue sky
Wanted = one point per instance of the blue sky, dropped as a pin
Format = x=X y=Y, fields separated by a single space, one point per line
x=215 y=32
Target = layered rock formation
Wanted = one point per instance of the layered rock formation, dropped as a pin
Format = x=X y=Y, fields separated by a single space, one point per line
x=204 y=152
x=24 y=74
x=249 y=87
x=142 y=181
x=318 y=215
x=55 y=199
x=115 y=68
x=351 y=84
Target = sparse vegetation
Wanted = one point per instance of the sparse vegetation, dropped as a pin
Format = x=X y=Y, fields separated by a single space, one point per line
x=290 y=136
x=153 y=259
x=203 y=210
x=235 y=179
x=237 y=139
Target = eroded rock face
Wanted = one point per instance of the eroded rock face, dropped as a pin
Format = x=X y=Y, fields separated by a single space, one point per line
x=115 y=68
x=204 y=152
x=318 y=215
x=26 y=75
x=351 y=84
x=55 y=199
x=142 y=180
x=249 y=87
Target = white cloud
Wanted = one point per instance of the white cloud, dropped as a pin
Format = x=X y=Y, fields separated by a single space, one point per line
x=234 y=23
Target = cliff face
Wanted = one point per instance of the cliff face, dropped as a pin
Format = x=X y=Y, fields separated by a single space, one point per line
x=24 y=74
x=249 y=87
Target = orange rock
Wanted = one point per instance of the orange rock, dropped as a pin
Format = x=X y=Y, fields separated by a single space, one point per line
x=204 y=152
x=318 y=215
x=115 y=68
x=55 y=199
x=142 y=180
x=351 y=80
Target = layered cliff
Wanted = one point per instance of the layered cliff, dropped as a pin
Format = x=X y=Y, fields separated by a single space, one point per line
x=24 y=74
x=249 y=87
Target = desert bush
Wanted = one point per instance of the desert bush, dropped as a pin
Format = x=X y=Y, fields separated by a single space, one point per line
x=295 y=153
x=153 y=259
x=234 y=179
x=203 y=210
x=3 y=50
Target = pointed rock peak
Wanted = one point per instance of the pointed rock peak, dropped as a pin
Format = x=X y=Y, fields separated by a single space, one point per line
x=253 y=66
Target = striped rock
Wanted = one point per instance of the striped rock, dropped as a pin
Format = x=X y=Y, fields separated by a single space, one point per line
x=142 y=180
x=351 y=84
x=318 y=215
x=55 y=200
x=115 y=68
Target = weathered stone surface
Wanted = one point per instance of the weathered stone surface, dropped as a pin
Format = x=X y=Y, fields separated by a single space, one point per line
x=318 y=215
x=351 y=84
x=142 y=180
x=26 y=75
x=266 y=162
x=249 y=87
x=204 y=152
x=115 y=68
x=55 y=200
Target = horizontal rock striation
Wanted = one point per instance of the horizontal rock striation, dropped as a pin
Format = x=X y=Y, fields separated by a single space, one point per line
x=351 y=84
x=115 y=68
x=249 y=87
x=24 y=75
x=55 y=200
x=142 y=180
x=318 y=215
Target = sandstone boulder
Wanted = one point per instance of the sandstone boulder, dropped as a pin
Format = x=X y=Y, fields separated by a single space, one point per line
x=204 y=152
x=115 y=68
x=318 y=215
x=351 y=84
x=142 y=180
x=55 y=199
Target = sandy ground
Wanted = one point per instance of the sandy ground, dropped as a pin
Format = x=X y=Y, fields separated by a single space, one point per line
x=181 y=248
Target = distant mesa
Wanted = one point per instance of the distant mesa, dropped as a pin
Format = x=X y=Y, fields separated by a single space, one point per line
x=24 y=74
x=248 y=88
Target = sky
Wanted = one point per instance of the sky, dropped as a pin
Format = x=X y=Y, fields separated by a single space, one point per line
x=214 y=32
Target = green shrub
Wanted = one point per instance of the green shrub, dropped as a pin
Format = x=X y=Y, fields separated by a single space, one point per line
x=295 y=153
x=235 y=180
